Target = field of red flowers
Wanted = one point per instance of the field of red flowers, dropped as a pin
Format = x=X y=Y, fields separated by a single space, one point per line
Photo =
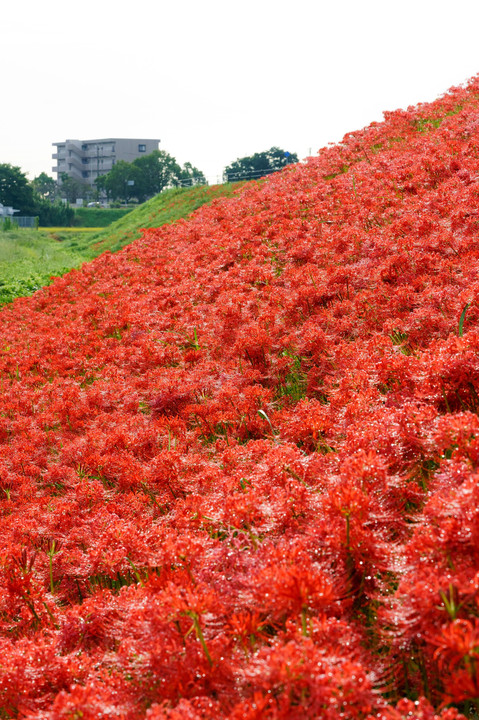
x=239 y=458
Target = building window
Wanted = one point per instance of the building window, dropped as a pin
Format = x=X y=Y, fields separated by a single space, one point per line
x=141 y=148
x=113 y=148
x=84 y=146
x=85 y=174
x=85 y=161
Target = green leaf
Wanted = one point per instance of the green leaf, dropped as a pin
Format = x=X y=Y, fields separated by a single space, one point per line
x=461 y=319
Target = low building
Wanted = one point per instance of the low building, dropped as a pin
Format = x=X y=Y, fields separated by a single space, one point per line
x=7 y=212
x=85 y=160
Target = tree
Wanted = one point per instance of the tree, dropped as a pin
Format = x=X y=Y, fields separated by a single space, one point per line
x=101 y=186
x=45 y=186
x=190 y=175
x=71 y=189
x=123 y=181
x=57 y=213
x=158 y=171
x=147 y=176
x=259 y=164
x=15 y=190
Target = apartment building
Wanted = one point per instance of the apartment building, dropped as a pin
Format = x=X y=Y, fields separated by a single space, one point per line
x=85 y=160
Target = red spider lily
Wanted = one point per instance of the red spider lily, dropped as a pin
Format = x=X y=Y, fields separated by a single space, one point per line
x=457 y=655
x=419 y=710
x=238 y=459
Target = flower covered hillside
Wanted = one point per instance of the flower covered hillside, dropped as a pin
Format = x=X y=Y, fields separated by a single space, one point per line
x=238 y=458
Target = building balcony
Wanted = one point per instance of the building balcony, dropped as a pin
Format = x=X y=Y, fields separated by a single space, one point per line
x=75 y=163
x=93 y=154
x=76 y=175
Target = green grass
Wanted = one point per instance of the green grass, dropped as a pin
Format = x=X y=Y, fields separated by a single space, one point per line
x=168 y=207
x=30 y=258
x=98 y=217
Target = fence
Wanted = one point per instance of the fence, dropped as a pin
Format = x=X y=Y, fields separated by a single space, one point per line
x=23 y=221
x=227 y=177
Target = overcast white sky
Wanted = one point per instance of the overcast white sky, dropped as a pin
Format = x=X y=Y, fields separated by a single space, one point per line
x=217 y=80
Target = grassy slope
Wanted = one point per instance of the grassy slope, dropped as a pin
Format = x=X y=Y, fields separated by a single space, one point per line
x=29 y=258
x=168 y=207
x=98 y=217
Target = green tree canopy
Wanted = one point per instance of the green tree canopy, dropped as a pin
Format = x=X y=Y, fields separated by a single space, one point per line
x=71 y=189
x=259 y=164
x=45 y=186
x=190 y=175
x=15 y=190
x=57 y=213
x=122 y=182
x=147 y=176
x=158 y=170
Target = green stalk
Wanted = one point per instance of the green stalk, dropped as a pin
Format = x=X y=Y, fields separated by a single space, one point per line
x=461 y=319
x=347 y=530
x=304 y=621
x=200 y=636
x=52 y=618
x=51 y=553
x=136 y=573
